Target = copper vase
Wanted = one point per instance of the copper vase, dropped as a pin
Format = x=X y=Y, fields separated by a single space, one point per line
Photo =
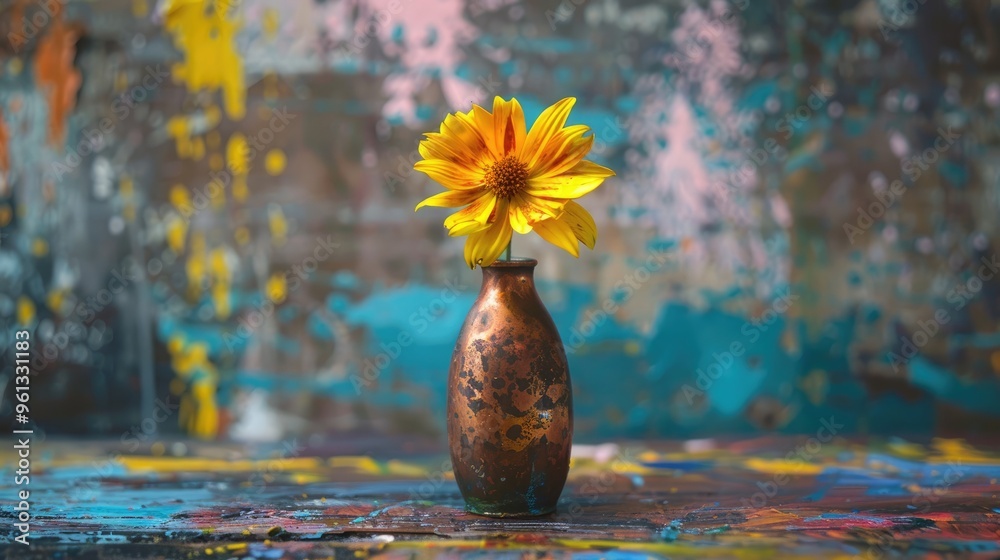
x=510 y=404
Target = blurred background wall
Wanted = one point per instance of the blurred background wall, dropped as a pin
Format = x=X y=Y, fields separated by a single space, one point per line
x=206 y=212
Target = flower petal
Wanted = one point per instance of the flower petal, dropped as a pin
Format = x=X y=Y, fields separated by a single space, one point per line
x=484 y=247
x=508 y=126
x=538 y=209
x=449 y=175
x=467 y=228
x=559 y=234
x=449 y=199
x=527 y=210
x=581 y=222
x=545 y=127
x=564 y=151
x=483 y=121
x=578 y=181
x=446 y=148
x=478 y=211
x=518 y=218
x=460 y=128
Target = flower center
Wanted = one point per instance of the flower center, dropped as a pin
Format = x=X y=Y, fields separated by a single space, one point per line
x=506 y=177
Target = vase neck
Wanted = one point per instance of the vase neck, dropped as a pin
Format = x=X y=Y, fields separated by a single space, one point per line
x=508 y=275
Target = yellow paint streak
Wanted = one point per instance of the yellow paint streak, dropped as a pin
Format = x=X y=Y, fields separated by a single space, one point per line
x=358 y=463
x=217 y=265
x=186 y=359
x=205 y=33
x=959 y=451
x=197 y=148
x=195 y=269
x=176 y=234
x=201 y=464
x=274 y=162
x=238 y=160
x=240 y=190
x=39 y=247
x=270 y=23
x=401 y=468
x=617 y=465
x=127 y=190
x=221 y=277
x=782 y=466
x=179 y=197
x=221 y=300
x=55 y=300
x=671 y=549
x=182 y=129
x=195 y=266
x=206 y=417
x=277 y=223
x=25 y=311
x=277 y=288
x=907 y=450
x=121 y=82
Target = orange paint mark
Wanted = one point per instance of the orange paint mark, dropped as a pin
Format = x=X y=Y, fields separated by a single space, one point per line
x=17 y=24
x=994 y=357
x=55 y=73
x=769 y=518
x=687 y=244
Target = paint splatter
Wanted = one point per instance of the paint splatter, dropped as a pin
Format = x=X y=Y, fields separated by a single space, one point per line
x=205 y=33
x=56 y=75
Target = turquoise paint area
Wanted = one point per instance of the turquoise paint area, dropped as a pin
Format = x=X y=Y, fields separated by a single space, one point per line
x=606 y=125
x=979 y=395
x=411 y=332
x=692 y=372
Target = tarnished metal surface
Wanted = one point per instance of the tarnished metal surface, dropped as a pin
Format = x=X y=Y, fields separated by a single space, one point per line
x=510 y=403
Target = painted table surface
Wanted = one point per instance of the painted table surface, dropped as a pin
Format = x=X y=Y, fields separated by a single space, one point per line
x=783 y=497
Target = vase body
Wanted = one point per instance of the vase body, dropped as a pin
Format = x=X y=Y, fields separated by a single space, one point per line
x=510 y=403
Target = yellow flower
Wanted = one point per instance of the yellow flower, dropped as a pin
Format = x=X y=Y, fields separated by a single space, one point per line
x=511 y=180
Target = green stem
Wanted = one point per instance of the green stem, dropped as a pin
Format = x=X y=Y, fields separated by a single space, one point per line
x=507 y=254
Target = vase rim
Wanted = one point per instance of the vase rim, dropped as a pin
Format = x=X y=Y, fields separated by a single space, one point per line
x=514 y=262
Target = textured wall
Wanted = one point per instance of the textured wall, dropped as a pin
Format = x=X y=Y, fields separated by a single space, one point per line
x=206 y=211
